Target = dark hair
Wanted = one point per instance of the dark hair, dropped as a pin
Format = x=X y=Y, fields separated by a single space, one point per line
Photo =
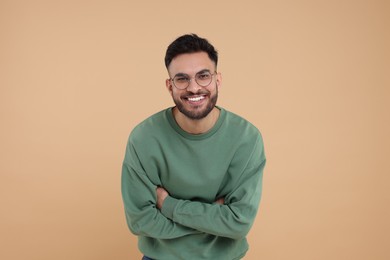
x=190 y=43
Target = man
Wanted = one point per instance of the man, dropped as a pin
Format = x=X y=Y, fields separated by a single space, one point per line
x=192 y=174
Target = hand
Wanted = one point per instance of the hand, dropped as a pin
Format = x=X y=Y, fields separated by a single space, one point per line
x=161 y=195
x=220 y=201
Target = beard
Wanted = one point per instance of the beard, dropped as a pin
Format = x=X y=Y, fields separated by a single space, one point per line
x=197 y=113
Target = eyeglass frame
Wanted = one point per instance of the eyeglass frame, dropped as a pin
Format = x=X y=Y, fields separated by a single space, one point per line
x=190 y=78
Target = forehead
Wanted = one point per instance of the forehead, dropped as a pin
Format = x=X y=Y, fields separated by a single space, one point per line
x=191 y=63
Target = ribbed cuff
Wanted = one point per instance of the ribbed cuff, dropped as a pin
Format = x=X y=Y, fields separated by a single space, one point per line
x=169 y=206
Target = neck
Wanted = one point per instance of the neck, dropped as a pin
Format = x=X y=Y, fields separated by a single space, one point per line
x=199 y=126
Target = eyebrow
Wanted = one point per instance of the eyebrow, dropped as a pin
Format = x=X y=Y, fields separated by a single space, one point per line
x=199 y=72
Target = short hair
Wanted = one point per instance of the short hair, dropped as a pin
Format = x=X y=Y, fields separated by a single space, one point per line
x=190 y=43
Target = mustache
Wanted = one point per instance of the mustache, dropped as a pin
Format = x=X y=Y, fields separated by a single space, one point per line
x=191 y=94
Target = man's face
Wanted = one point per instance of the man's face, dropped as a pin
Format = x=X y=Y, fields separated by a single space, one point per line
x=195 y=102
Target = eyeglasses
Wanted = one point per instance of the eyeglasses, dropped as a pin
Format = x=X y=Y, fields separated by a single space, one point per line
x=202 y=78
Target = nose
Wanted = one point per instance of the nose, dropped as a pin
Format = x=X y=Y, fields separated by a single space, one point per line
x=193 y=86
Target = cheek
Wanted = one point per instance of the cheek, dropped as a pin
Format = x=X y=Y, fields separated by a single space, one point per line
x=175 y=93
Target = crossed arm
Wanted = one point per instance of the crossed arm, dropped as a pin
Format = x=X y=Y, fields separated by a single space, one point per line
x=159 y=215
x=162 y=194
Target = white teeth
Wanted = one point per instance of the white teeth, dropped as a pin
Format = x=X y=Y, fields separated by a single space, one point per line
x=196 y=98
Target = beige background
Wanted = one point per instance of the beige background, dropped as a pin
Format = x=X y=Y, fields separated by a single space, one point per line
x=77 y=76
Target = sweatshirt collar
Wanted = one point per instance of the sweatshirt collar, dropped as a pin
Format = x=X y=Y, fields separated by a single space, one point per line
x=179 y=130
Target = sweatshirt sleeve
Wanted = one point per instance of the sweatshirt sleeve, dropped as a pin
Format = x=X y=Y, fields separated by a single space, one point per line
x=139 y=198
x=235 y=218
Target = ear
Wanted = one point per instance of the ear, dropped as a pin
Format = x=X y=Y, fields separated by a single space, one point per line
x=219 y=79
x=168 y=84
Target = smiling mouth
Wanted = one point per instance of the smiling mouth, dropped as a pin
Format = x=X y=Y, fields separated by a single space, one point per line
x=195 y=98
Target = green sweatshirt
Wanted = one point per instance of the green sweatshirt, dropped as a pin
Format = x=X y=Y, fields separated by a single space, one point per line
x=226 y=162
